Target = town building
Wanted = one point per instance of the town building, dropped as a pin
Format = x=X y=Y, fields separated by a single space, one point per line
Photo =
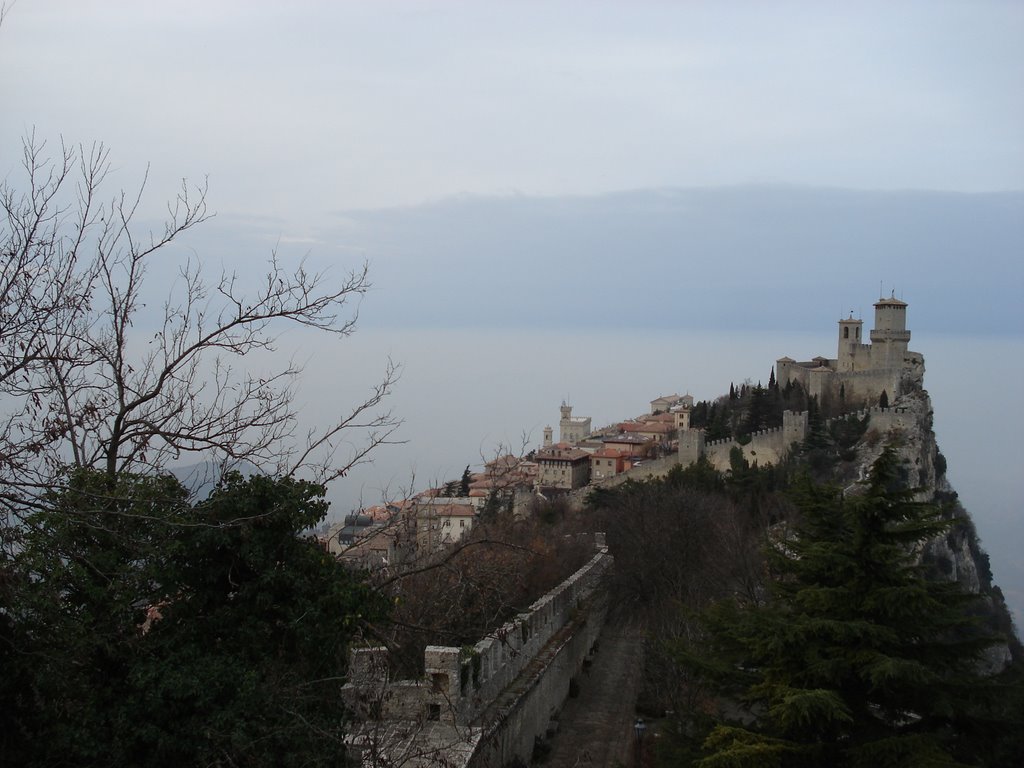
x=606 y=463
x=572 y=429
x=441 y=525
x=562 y=466
x=666 y=403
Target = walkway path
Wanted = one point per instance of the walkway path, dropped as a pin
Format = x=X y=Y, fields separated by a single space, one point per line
x=596 y=728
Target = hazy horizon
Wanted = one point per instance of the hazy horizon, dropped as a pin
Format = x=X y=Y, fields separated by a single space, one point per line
x=550 y=195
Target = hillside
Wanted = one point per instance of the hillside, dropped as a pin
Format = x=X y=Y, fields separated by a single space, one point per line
x=696 y=539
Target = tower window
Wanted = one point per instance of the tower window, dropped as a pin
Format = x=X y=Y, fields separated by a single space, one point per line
x=846 y=332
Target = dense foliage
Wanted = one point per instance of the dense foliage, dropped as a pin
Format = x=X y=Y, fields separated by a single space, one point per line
x=856 y=658
x=142 y=630
x=458 y=595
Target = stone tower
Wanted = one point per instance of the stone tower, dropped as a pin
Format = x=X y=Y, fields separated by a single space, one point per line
x=547 y=437
x=794 y=428
x=571 y=430
x=691 y=446
x=889 y=337
x=682 y=416
x=850 y=345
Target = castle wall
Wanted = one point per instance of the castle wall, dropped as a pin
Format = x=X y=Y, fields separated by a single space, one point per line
x=505 y=654
x=858 y=386
x=472 y=694
x=516 y=725
x=691 y=446
x=769 y=446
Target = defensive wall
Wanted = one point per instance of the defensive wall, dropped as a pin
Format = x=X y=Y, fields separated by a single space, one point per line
x=770 y=446
x=482 y=705
x=826 y=382
x=767 y=446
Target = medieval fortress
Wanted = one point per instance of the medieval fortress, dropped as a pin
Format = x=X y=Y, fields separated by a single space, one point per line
x=862 y=378
x=486 y=705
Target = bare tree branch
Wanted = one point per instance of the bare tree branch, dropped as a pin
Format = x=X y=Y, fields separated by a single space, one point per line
x=81 y=386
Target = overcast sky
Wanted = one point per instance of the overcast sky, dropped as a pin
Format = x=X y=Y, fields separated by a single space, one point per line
x=501 y=138
x=294 y=109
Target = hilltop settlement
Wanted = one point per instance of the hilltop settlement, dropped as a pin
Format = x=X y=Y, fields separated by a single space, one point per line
x=864 y=379
x=685 y=497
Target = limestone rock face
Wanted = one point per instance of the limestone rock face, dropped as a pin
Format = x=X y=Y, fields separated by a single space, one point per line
x=957 y=555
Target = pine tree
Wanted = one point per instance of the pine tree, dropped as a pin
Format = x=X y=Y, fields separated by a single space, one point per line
x=857 y=658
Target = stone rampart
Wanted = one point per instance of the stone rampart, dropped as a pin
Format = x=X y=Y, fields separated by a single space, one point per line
x=882 y=419
x=767 y=446
x=505 y=688
x=504 y=654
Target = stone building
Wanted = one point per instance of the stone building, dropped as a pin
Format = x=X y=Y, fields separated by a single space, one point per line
x=854 y=380
x=606 y=463
x=572 y=429
x=861 y=372
x=441 y=525
x=668 y=402
x=562 y=466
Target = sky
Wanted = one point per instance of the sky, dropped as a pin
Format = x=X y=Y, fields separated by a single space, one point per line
x=296 y=109
x=599 y=201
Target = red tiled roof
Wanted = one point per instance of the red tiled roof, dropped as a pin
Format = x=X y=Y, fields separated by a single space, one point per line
x=561 y=452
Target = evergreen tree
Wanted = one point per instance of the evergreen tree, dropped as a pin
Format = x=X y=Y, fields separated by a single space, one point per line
x=759 y=407
x=857 y=659
x=150 y=632
x=464 y=483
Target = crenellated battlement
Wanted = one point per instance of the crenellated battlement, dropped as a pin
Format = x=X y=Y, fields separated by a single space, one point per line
x=770 y=446
x=471 y=689
x=861 y=372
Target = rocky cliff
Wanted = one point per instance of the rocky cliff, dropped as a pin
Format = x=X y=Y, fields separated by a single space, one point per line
x=957 y=555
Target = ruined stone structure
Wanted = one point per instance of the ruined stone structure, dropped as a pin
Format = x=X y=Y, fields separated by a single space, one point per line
x=484 y=705
x=860 y=372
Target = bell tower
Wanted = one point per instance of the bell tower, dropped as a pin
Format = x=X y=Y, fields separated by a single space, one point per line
x=849 y=343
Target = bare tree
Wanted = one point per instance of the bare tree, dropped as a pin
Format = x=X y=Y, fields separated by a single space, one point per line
x=82 y=384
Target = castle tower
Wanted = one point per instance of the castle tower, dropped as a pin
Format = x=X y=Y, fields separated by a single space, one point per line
x=682 y=415
x=889 y=337
x=850 y=344
x=794 y=428
x=572 y=430
x=691 y=446
x=547 y=437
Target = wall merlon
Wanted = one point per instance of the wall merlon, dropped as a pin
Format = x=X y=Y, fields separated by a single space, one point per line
x=467 y=686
